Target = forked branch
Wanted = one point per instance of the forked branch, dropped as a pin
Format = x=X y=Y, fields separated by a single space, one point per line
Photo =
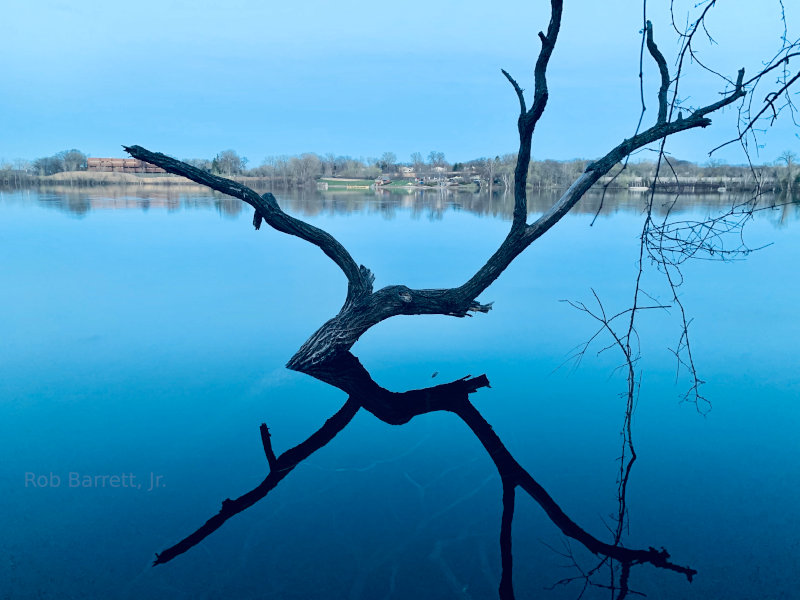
x=364 y=308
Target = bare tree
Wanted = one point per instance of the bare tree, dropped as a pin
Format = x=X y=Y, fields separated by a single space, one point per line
x=305 y=168
x=506 y=170
x=326 y=354
x=228 y=162
x=199 y=163
x=790 y=160
x=74 y=160
x=48 y=165
x=436 y=158
x=388 y=162
x=489 y=168
x=418 y=162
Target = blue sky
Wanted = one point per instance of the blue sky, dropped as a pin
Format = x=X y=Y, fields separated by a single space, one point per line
x=351 y=77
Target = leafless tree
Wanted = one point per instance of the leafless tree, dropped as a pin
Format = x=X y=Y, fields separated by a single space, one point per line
x=74 y=160
x=417 y=162
x=228 y=162
x=326 y=354
x=436 y=158
x=388 y=162
x=789 y=158
x=489 y=168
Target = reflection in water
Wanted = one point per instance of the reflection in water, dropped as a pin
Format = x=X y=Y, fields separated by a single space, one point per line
x=117 y=359
x=431 y=203
x=348 y=374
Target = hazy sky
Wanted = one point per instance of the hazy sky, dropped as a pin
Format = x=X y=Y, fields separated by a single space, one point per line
x=352 y=77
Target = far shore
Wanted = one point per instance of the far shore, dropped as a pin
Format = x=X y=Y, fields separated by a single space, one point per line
x=88 y=179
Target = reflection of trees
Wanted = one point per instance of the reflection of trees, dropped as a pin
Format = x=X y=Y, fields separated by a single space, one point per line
x=397 y=408
x=435 y=203
x=228 y=206
x=80 y=201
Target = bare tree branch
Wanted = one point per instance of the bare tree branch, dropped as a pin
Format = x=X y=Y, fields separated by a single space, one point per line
x=364 y=308
x=540 y=93
x=359 y=278
x=769 y=103
x=518 y=90
x=662 y=68
x=527 y=120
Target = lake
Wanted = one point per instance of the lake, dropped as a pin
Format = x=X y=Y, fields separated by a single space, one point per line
x=144 y=335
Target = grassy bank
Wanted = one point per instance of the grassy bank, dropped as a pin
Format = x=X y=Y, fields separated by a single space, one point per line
x=347 y=184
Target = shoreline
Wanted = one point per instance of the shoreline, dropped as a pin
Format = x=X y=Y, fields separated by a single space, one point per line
x=90 y=179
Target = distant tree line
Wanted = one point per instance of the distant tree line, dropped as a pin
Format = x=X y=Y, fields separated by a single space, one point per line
x=498 y=172
x=285 y=171
x=66 y=160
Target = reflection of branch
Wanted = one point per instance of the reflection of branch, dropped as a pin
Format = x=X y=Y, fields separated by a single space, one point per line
x=511 y=471
x=282 y=466
x=454 y=397
x=266 y=441
x=627 y=341
x=349 y=375
x=506 y=557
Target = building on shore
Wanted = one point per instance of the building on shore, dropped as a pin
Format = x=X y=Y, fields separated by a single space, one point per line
x=121 y=165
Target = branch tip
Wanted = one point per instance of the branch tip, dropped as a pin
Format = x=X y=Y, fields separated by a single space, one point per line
x=517 y=89
x=478 y=307
x=266 y=441
x=367 y=278
x=663 y=70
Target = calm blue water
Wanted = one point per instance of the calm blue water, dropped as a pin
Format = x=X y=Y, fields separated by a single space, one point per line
x=148 y=339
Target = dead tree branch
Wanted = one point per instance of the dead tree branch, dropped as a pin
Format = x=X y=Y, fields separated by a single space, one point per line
x=364 y=308
x=359 y=278
x=662 y=68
